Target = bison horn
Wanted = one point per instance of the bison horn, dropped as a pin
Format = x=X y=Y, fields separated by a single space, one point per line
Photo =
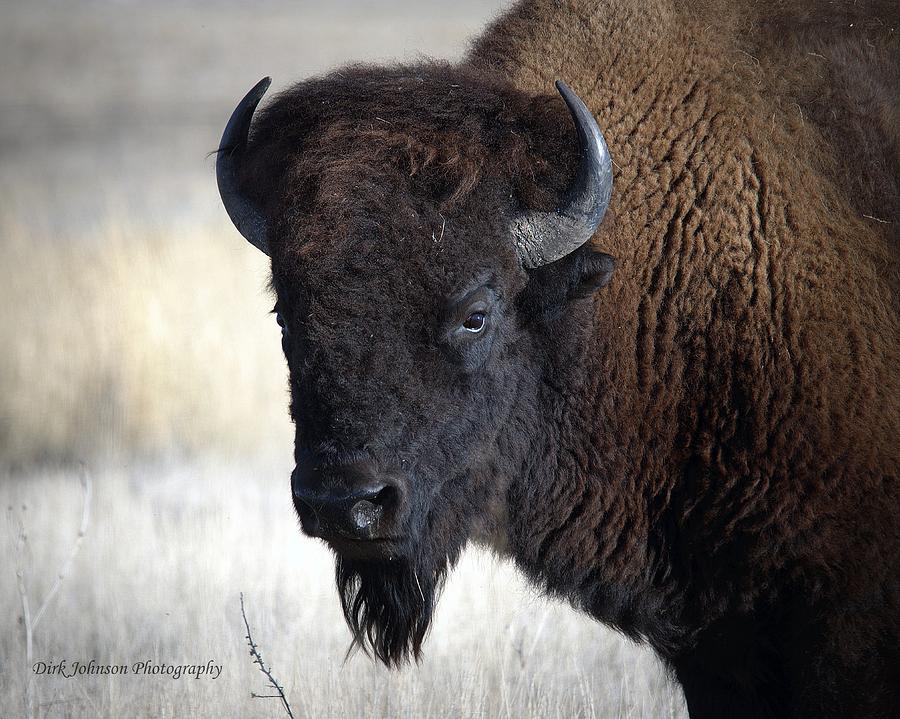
x=543 y=237
x=248 y=219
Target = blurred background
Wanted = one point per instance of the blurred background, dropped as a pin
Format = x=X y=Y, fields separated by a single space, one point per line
x=139 y=362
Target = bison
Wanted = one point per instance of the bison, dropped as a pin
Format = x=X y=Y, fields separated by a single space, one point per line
x=641 y=335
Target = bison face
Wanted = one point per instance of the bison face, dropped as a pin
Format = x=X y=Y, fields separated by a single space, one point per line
x=405 y=355
x=415 y=293
x=400 y=380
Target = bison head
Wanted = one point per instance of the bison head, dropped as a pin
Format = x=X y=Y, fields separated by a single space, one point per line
x=427 y=229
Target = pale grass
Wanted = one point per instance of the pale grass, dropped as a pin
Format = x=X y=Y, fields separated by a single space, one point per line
x=159 y=575
x=137 y=340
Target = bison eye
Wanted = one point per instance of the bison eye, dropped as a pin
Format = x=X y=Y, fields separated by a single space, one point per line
x=474 y=322
x=281 y=323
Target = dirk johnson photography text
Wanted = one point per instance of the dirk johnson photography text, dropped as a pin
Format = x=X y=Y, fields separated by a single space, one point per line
x=68 y=669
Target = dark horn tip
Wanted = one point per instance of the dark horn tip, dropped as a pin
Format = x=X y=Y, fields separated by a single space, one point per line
x=597 y=163
x=542 y=237
x=262 y=86
x=239 y=123
x=569 y=95
x=246 y=217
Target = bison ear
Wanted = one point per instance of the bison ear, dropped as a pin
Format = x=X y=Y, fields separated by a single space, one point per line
x=576 y=276
x=595 y=272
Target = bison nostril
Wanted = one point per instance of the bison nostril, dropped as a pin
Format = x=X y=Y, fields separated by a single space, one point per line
x=365 y=514
x=368 y=509
x=346 y=501
x=385 y=496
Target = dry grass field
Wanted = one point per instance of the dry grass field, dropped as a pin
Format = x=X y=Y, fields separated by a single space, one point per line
x=170 y=547
x=136 y=342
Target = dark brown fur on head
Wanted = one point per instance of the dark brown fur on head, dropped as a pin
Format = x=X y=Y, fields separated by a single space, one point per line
x=432 y=131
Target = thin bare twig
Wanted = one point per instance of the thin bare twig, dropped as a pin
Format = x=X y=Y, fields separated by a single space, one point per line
x=86 y=491
x=28 y=620
x=258 y=660
x=21 y=544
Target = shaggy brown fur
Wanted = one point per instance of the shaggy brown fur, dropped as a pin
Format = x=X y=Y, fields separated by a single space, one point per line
x=706 y=454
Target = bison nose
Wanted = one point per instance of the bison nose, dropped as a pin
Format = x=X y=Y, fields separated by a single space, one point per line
x=347 y=501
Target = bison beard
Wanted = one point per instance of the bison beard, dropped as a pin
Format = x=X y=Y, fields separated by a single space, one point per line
x=388 y=605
